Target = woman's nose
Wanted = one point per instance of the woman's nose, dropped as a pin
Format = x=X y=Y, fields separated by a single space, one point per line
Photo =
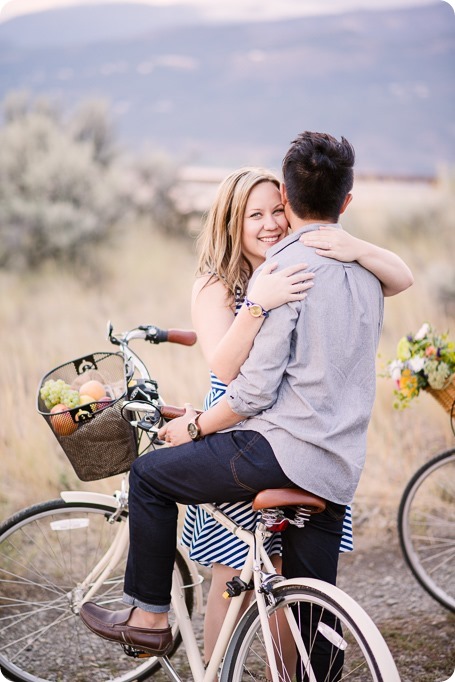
x=270 y=223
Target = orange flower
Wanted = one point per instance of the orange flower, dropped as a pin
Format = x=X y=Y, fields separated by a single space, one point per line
x=408 y=384
x=430 y=350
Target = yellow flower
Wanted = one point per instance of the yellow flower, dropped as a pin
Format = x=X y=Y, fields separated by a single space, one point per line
x=408 y=384
x=403 y=349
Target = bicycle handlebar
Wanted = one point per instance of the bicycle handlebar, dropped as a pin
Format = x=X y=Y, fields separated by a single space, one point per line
x=148 y=332
x=167 y=412
x=182 y=336
x=171 y=412
x=185 y=337
x=153 y=335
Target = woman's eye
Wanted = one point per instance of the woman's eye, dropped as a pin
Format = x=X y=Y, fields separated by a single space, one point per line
x=256 y=215
x=279 y=210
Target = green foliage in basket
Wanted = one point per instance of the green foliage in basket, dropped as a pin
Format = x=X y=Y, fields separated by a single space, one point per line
x=424 y=360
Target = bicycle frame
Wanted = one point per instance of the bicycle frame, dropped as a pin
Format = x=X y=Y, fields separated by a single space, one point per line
x=256 y=561
x=257 y=557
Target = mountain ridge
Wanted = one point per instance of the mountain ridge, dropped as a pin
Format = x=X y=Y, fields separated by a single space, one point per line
x=236 y=93
x=85 y=24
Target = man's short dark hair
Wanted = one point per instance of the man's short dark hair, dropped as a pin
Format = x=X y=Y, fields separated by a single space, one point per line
x=318 y=173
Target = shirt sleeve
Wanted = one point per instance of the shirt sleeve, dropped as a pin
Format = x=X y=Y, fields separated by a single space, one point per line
x=255 y=389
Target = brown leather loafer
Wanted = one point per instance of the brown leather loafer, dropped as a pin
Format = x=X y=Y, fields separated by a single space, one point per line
x=112 y=625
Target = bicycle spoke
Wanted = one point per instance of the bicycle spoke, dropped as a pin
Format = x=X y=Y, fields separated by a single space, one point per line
x=37 y=634
x=334 y=644
x=41 y=608
x=36 y=580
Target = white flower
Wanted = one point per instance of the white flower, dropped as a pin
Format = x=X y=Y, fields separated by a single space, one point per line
x=395 y=368
x=416 y=364
x=423 y=331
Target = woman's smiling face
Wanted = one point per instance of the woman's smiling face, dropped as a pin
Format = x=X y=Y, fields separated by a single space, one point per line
x=264 y=222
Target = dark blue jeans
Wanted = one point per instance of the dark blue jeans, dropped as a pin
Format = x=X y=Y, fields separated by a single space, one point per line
x=230 y=466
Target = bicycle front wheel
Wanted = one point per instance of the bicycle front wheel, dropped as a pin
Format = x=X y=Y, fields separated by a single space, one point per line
x=336 y=638
x=426 y=526
x=46 y=552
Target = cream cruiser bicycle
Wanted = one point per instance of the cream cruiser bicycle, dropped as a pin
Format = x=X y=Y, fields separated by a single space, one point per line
x=56 y=555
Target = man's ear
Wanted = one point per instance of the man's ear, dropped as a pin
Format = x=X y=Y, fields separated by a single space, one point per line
x=346 y=203
x=286 y=204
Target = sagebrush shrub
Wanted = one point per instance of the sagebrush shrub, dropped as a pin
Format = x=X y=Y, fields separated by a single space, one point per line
x=64 y=186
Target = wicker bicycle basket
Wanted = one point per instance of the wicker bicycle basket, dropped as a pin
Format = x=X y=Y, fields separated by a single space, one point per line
x=444 y=396
x=95 y=437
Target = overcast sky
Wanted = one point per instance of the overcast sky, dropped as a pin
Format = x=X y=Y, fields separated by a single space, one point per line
x=227 y=9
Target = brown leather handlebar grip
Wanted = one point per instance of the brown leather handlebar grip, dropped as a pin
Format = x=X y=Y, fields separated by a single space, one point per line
x=182 y=336
x=171 y=412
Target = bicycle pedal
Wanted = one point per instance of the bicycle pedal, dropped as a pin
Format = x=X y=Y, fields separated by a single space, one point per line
x=236 y=586
x=135 y=653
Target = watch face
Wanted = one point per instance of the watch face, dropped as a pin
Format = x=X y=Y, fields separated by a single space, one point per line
x=193 y=430
x=255 y=310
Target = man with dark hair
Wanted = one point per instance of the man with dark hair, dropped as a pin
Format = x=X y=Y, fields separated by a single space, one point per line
x=318 y=173
x=303 y=397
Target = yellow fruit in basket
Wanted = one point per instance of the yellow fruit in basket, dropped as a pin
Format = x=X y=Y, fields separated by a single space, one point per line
x=93 y=388
x=85 y=399
x=61 y=421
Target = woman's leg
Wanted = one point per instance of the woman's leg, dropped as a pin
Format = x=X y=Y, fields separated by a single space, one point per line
x=216 y=607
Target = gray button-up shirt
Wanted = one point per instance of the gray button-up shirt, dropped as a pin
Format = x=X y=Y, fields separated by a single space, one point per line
x=308 y=385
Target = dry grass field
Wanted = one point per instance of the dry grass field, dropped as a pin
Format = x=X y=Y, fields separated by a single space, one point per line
x=53 y=316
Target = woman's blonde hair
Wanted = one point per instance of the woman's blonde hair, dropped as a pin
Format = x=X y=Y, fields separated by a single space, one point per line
x=220 y=241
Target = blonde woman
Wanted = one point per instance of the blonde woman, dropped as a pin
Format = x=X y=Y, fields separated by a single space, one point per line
x=247 y=217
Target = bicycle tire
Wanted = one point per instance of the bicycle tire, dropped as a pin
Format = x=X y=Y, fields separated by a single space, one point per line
x=426 y=527
x=366 y=655
x=44 y=550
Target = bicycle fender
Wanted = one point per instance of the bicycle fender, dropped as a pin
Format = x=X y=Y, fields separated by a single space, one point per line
x=89 y=497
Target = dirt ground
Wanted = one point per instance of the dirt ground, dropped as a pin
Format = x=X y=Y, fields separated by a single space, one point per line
x=419 y=631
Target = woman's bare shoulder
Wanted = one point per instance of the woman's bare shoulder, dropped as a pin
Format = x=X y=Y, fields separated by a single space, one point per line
x=203 y=280
x=209 y=286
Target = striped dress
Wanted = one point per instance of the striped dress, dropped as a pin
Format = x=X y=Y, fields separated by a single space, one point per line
x=208 y=542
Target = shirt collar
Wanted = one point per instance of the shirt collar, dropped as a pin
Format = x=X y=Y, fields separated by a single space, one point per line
x=294 y=236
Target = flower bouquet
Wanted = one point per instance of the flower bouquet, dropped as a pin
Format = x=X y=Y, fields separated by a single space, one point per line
x=425 y=361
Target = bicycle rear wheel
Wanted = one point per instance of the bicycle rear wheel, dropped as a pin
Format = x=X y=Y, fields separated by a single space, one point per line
x=426 y=526
x=46 y=551
x=342 y=641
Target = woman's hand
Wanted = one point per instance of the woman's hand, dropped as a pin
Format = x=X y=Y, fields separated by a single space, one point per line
x=175 y=432
x=333 y=242
x=272 y=289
